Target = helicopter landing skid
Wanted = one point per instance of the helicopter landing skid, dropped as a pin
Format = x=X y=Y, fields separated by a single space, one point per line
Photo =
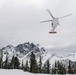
x=52 y=32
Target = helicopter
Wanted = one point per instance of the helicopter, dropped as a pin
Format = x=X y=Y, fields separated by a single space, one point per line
x=54 y=21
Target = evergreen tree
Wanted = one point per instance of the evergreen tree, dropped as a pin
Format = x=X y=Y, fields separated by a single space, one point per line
x=26 y=68
x=1 y=58
x=40 y=65
x=74 y=69
x=70 y=71
x=33 y=63
x=44 y=68
x=54 y=69
x=61 y=68
x=16 y=63
x=48 y=66
x=12 y=63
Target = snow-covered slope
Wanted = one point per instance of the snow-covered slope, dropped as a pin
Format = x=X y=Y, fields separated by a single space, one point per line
x=19 y=72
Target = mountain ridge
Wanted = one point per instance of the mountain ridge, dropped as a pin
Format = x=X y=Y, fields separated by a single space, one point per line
x=23 y=51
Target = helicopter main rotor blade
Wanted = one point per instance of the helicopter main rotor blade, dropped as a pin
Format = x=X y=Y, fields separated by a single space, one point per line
x=65 y=16
x=45 y=21
x=50 y=13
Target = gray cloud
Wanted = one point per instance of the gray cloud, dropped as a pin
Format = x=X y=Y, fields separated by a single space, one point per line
x=20 y=22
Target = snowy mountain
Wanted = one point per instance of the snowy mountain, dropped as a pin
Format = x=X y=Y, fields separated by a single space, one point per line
x=23 y=51
x=63 y=54
x=63 y=59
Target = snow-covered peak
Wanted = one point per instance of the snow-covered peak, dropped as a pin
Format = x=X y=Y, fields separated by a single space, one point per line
x=22 y=50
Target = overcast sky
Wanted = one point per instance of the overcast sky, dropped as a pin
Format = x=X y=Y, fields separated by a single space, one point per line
x=20 y=22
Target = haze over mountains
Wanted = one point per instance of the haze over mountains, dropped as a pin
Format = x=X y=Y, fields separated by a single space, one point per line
x=62 y=50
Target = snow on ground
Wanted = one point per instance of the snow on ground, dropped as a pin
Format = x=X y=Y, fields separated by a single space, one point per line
x=20 y=72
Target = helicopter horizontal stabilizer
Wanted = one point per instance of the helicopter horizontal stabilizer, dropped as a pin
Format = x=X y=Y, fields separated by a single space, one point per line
x=52 y=32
